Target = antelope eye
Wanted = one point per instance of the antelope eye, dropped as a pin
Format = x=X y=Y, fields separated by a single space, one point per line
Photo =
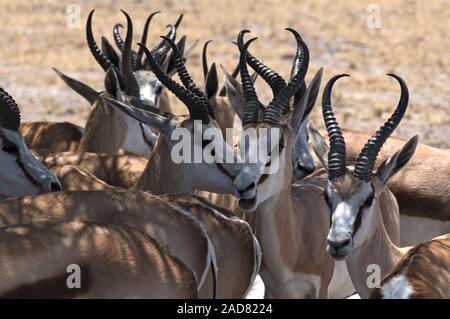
x=327 y=199
x=368 y=201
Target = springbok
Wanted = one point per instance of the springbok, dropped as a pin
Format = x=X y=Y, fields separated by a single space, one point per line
x=423 y=199
x=358 y=231
x=169 y=224
x=294 y=264
x=240 y=247
x=107 y=131
x=36 y=262
x=164 y=176
x=22 y=174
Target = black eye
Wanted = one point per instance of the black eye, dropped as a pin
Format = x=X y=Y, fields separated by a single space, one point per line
x=368 y=201
x=327 y=199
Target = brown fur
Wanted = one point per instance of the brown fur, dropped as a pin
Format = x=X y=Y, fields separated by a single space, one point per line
x=232 y=239
x=74 y=178
x=40 y=253
x=172 y=227
x=346 y=186
x=427 y=268
x=52 y=136
x=105 y=129
x=115 y=170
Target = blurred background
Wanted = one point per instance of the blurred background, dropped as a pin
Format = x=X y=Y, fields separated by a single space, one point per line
x=366 y=39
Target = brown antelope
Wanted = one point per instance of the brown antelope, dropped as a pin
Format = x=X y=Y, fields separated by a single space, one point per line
x=164 y=176
x=170 y=225
x=423 y=199
x=294 y=264
x=37 y=260
x=239 y=249
x=107 y=131
x=358 y=230
x=22 y=174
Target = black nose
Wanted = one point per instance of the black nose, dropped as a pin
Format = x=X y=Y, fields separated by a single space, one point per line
x=339 y=244
x=55 y=187
x=306 y=167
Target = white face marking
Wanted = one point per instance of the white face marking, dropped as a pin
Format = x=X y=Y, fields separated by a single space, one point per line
x=397 y=288
x=149 y=87
x=344 y=214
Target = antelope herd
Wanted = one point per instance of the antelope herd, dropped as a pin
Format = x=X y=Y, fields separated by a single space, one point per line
x=309 y=218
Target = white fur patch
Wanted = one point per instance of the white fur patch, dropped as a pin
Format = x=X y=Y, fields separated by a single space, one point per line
x=397 y=288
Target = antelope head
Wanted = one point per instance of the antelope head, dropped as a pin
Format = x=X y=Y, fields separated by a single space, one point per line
x=22 y=173
x=302 y=160
x=352 y=192
x=135 y=74
x=199 y=131
x=273 y=130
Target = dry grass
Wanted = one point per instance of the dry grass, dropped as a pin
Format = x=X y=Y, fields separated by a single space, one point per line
x=411 y=42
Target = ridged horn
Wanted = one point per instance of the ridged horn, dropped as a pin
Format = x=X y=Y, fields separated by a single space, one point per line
x=192 y=102
x=366 y=159
x=9 y=112
x=251 y=107
x=280 y=102
x=104 y=62
x=336 y=154
x=132 y=87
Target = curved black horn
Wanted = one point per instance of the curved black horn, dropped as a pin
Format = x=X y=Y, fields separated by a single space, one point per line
x=9 y=112
x=251 y=107
x=205 y=59
x=192 y=102
x=273 y=79
x=144 y=35
x=161 y=50
x=296 y=67
x=276 y=107
x=104 y=62
x=186 y=78
x=117 y=38
x=336 y=154
x=135 y=60
x=132 y=87
x=366 y=159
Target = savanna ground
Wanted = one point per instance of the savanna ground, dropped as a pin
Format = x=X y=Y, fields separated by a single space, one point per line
x=410 y=39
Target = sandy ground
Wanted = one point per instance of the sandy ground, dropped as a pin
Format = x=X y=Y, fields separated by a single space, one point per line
x=411 y=41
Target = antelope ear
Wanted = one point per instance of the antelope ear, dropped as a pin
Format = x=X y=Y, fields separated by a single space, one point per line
x=306 y=103
x=84 y=90
x=212 y=82
x=235 y=95
x=319 y=146
x=159 y=122
x=396 y=162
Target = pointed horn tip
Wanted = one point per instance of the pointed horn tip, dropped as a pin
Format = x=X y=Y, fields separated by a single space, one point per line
x=56 y=71
x=118 y=25
x=294 y=32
